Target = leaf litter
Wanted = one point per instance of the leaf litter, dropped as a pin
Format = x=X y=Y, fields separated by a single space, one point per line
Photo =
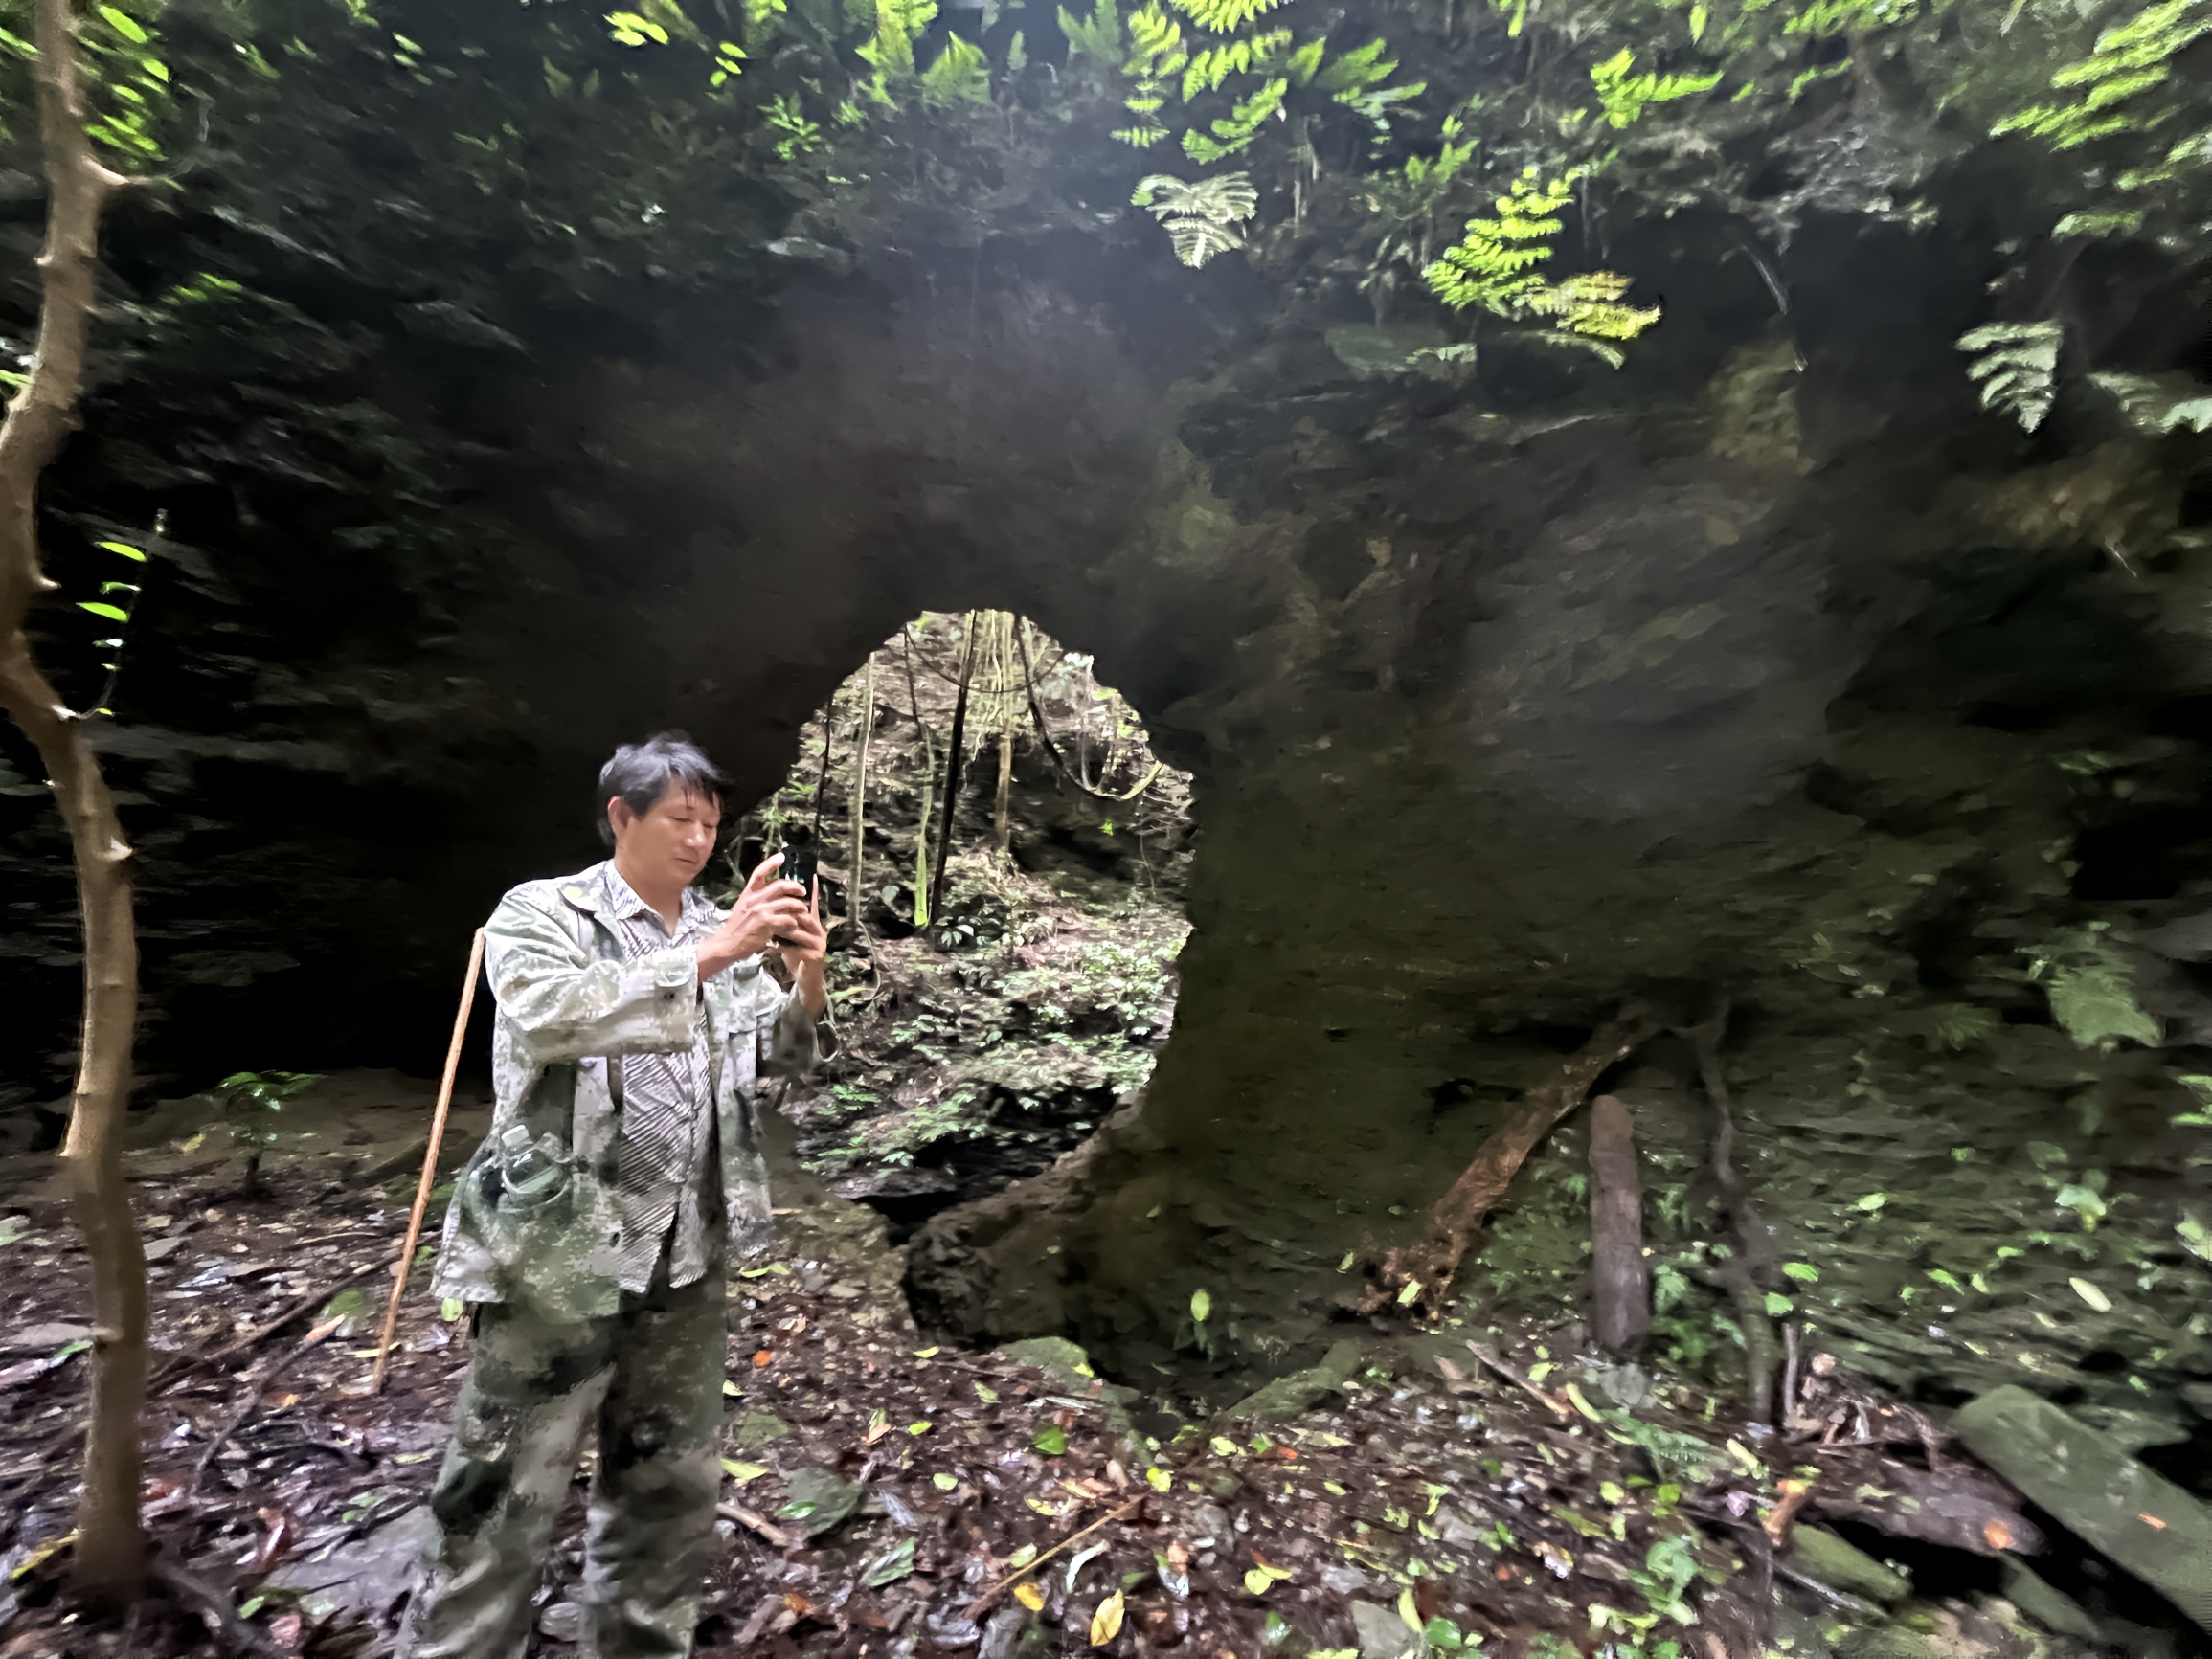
x=1457 y=1502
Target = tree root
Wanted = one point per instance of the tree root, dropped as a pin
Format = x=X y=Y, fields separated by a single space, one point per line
x=212 y=1606
x=1749 y=1274
x=1429 y=1263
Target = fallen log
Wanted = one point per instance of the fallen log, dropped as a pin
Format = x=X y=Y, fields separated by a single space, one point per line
x=1429 y=1263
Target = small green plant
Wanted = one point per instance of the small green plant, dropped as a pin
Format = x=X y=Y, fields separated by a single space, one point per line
x=249 y=1102
x=1201 y=216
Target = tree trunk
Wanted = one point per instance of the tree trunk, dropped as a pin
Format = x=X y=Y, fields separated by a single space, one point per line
x=1002 y=814
x=953 y=758
x=921 y=828
x=110 y=1560
x=1621 y=1282
x=854 y=854
x=1431 y=1260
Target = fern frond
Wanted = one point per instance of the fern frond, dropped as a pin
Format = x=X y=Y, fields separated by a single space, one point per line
x=1589 y=307
x=1623 y=95
x=1100 y=35
x=1239 y=128
x=1215 y=65
x=2016 y=367
x=898 y=23
x=1156 y=46
x=1827 y=17
x=2130 y=58
x=1224 y=16
x=1140 y=137
x=961 y=75
x=1200 y=215
x=1356 y=70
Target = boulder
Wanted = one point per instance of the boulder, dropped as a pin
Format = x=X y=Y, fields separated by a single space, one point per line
x=2091 y=1486
x=1288 y=1396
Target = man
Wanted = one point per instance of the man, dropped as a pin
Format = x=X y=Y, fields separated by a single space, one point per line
x=590 y=1227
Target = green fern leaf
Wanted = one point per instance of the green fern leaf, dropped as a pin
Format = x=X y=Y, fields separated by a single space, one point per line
x=1099 y=36
x=1201 y=216
x=1140 y=137
x=2016 y=367
x=2130 y=58
x=1623 y=95
x=961 y=75
x=1224 y=16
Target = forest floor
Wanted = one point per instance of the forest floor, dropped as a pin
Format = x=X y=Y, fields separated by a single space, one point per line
x=889 y=1494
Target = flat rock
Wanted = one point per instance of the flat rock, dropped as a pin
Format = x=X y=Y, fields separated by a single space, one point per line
x=54 y=1334
x=2088 y=1483
x=819 y=1499
x=1384 y=1635
x=365 y=1578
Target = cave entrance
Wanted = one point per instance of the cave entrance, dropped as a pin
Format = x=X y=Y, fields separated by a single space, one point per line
x=1002 y=952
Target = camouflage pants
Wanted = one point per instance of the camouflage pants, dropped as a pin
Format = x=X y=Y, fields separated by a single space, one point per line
x=649 y=1380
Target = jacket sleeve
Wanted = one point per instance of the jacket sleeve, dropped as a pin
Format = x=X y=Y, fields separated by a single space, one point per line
x=566 y=1003
x=792 y=1041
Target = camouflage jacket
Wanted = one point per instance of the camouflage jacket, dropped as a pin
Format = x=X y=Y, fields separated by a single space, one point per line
x=570 y=1005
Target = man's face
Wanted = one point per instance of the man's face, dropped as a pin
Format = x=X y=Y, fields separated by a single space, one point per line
x=673 y=841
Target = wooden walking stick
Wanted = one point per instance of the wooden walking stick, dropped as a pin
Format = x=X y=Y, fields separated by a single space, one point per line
x=422 y=1187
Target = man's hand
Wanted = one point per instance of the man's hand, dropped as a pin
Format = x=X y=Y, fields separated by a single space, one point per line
x=803 y=944
x=767 y=908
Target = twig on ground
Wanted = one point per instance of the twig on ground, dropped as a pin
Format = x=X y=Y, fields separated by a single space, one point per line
x=246 y=1406
x=759 y=1523
x=1556 y=1408
x=307 y=1304
x=985 y=1600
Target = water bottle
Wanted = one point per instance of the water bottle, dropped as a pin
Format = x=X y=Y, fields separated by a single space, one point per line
x=533 y=1172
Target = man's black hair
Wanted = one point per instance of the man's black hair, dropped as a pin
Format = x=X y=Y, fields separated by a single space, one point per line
x=640 y=773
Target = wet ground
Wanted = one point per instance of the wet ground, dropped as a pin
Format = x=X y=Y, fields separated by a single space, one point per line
x=891 y=1493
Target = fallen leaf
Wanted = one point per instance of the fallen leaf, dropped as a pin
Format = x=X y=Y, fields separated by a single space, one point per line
x=1051 y=1440
x=762 y=1356
x=2091 y=1294
x=742 y=1473
x=944 y=1482
x=878 y=1426
x=1030 y=1596
x=2146 y=1520
x=1106 y=1622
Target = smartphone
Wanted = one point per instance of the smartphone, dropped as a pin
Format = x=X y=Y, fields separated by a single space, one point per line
x=798 y=864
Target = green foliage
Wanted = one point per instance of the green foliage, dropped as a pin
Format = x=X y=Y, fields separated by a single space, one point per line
x=2016 y=366
x=249 y=1102
x=1201 y=216
x=1098 y=35
x=2159 y=403
x=1623 y=95
x=1224 y=16
x=1230 y=134
x=1494 y=267
x=898 y=25
x=2091 y=992
x=2130 y=58
x=961 y=75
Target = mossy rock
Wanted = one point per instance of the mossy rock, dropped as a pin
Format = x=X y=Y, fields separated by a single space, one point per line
x=1821 y=1555
x=1884 y=1642
x=1300 y=1392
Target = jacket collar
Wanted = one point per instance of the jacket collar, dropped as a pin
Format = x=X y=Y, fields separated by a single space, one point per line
x=602 y=894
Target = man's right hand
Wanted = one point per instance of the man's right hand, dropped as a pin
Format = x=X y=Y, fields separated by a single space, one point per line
x=765 y=909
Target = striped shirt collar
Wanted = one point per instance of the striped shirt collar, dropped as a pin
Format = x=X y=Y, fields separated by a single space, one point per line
x=616 y=900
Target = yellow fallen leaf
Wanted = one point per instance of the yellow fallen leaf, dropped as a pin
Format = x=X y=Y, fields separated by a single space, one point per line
x=2091 y=1294
x=1106 y=1622
x=1574 y=1398
x=742 y=1473
x=1030 y=1596
x=1160 y=1480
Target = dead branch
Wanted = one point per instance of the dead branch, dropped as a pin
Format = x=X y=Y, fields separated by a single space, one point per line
x=1431 y=1260
x=213 y=1605
x=758 y=1523
x=110 y=1557
x=268 y=1328
x=1519 y=1380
